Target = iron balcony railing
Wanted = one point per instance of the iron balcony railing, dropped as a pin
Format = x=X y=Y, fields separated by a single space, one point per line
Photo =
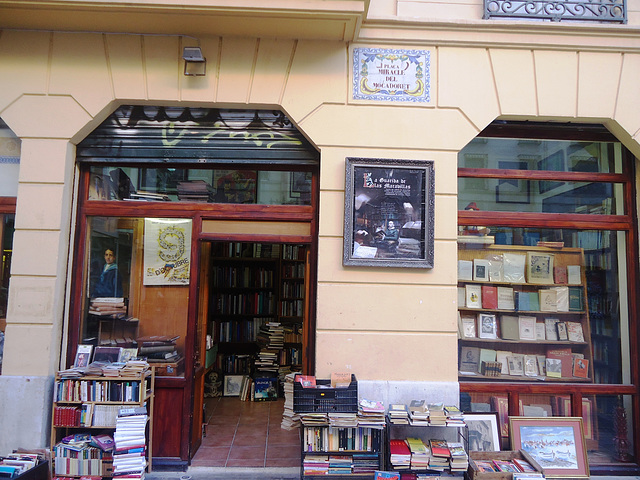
x=614 y=11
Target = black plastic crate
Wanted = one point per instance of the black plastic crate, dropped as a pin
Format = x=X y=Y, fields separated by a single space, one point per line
x=325 y=398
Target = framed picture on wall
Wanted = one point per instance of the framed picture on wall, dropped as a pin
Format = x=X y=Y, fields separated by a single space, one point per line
x=389 y=211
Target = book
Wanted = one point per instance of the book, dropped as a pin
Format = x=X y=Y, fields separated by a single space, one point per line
x=523 y=465
x=553 y=367
x=562 y=331
x=527 y=327
x=540 y=331
x=439 y=448
x=548 y=300
x=381 y=475
x=581 y=368
x=534 y=301
x=469 y=359
x=540 y=268
x=486 y=355
x=462 y=299
x=340 y=379
x=574 y=332
x=473 y=296
x=468 y=326
x=542 y=365
x=574 y=275
x=575 y=299
x=465 y=270
x=566 y=358
x=480 y=270
x=487 y=326
x=530 y=366
x=513 y=266
x=501 y=356
x=485 y=466
x=509 y=327
x=83 y=356
x=307 y=381
x=489 y=297
x=560 y=274
x=500 y=404
x=106 y=354
x=522 y=301
x=505 y=466
x=505 y=298
x=495 y=268
x=516 y=365
x=551 y=331
x=562 y=298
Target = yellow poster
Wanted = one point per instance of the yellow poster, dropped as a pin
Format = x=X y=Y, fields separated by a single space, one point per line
x=167 y=251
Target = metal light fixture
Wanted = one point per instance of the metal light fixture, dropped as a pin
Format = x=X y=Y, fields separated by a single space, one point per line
x=195 y=65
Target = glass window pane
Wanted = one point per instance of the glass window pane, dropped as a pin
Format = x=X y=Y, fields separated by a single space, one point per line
x=262 y=187
x=517 y=195
x=9 y=161
x=136 y=287
x=609 y=429
x=542 y=155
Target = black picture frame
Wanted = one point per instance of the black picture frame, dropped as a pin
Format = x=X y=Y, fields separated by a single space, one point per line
x=513 y=190
x=383 y=195
x=555 y=163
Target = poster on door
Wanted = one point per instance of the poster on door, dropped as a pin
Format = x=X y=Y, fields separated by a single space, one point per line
x=167 y=251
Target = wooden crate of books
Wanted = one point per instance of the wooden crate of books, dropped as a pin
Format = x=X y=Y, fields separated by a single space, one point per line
x=476 y=459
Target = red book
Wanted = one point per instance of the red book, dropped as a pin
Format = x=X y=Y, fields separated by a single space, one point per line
x=399 y=447
x=580 y=368
x=560 y=274
x=439 y=448
x=489 y=297
x=564 y=354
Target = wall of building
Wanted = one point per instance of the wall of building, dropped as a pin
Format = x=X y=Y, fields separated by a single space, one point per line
x=396 y=329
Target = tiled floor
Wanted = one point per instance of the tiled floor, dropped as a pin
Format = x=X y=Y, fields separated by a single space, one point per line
x=246 y=434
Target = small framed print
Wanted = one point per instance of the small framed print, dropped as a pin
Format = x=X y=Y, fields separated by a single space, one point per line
x=487 y=325
x=540 y=268
x=232 y=384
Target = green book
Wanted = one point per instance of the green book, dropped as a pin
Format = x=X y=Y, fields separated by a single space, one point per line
x=509 y=327
x=534 y=302
x=575 y=299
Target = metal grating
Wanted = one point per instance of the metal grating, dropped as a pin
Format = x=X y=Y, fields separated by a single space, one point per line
x=614 y=11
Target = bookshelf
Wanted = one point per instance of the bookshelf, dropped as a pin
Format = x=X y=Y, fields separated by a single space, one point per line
x=521 y=318
x=341 y=452
x=292 y=303
x=89 y=405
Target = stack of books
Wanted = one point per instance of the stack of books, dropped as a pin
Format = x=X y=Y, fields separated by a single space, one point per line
x=365 y=463
x=133 y=368
x=290 y=419
x=104 y=306
x=343 y=419
x=314 y=419
x=420 y=454
x=459 y=460
x=158 y=348
x=398 y=414
x=371 y=413
x=437 y=415
x=440 y=455
x=195 y=191
x=399 y=454
x=419 y=412
x=454 y=416
x=129 y=457
x=315 y=465
x=340 y=465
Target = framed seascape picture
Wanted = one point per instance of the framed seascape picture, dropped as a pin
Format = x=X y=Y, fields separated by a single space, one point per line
x=389 y=213
x=483 y=431
x=556 y=443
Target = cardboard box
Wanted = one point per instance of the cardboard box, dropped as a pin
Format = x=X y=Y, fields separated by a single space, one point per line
x=169 y=369
x=474 y=474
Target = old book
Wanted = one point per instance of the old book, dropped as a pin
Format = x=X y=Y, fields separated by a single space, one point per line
x=560 y=274
x=550 y=328
x=574 y=332
x=539 y=268
x=505 y=298
x=487 y=326
x=574 y=275
x=554 y=367
x=469 y=359
x=513 y=266
x=575 y=299
x=509 y=327
x=541 y=331
x=486 y=355
x=500 y=404
x=542 y=364
x=516 y=365
x=489 y=297
x=522 y=301
x=473 y=296
x=580 y=368
x=527 y=327
x=480 y=270
x=566 y=358
x=548 y=300
x=530 y=366
x=468 y=326
x=562 y=298
x=495 y=268
x=501 y=356
x=465 y=270
x=462 y=297
x=563 y=336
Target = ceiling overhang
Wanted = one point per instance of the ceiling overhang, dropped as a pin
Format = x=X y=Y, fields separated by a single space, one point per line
x=337 y=20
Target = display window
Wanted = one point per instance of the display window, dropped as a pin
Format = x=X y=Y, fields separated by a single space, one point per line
x=546 y=279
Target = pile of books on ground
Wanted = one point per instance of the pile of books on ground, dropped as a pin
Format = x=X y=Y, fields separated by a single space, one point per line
x=195 y=191
x=398 y=414
x=129 y=458
x=158 y=348
x=419 y=412
x=271 y=340
x=104 y=306
x=371 y=413
x=290 y=419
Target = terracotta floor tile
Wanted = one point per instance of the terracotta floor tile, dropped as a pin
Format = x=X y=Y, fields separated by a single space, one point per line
x=245 y=463
x=246 y=453
x=283 y=451
x=282 y=462
x=249 y=429
x=249 y=441
x=211 y=454
x=217 y=440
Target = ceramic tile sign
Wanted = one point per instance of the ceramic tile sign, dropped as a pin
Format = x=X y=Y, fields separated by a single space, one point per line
x=391 y=75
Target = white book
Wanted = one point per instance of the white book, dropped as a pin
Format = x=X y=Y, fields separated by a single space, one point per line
x=501 y=356
x=505 y=298
x=473 y=296
x=495 y=269
x=465 y=270
x=513 y=267
x=527 y=327
x=574 y=276
x=562 y=298
x=540 y=331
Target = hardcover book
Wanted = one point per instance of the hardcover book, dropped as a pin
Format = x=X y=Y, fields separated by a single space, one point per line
x=522 y=301
x=489 y=297
x=565 y=356
x=560 y=274
x=575 y=299
x=509 y=327
x=505 y=298
x=580 y=368
x=469 y=359
x=486 y=355
x=534 y=302
x=574 y=275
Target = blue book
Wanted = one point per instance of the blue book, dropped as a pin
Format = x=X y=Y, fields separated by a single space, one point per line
x=522 y=302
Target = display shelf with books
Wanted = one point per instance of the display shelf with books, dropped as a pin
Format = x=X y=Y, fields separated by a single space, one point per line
x=292 y=302
x=85 y=409
x=342 y=452
x=523 y=314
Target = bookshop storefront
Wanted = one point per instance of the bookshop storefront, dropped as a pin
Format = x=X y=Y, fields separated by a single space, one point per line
x=208 y=206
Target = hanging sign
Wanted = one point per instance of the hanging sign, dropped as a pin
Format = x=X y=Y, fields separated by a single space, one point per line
x=167 y=251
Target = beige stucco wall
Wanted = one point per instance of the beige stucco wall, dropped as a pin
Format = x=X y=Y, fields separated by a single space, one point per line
x=70 y=82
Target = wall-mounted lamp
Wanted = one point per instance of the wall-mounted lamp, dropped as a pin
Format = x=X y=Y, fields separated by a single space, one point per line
x=195 y=65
